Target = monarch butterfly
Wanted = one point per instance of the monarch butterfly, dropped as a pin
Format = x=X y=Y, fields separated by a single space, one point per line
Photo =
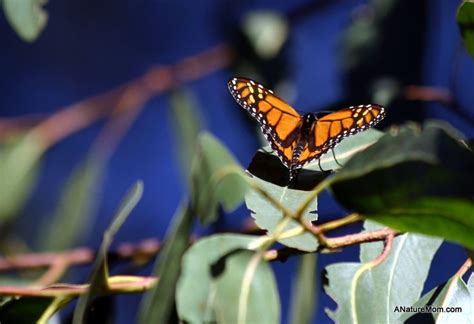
x=298 y=139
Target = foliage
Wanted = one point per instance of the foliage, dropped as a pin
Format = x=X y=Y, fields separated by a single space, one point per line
x=413 y=178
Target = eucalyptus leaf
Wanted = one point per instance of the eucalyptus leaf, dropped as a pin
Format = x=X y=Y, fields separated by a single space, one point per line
x=304 y=292
x=452 y=294
x=413 y=179
x=369 y=294
x=465 y=18
x=19 y=162
x=100 y=273
x=267 y=216
x=216 y=178
x=27 y=17
x=158 y=303
x=246 y=290
x=196 y=289
x=76 y=206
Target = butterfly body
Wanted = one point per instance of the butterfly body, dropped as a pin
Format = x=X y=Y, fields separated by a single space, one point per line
x=297 y=139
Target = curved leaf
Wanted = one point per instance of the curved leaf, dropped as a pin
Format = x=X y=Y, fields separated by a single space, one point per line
x=214 y=180
x=195 y=292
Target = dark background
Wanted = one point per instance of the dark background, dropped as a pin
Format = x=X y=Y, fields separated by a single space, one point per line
x=89 y=47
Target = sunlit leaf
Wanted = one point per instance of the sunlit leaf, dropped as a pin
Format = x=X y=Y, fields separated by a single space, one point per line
x=99 y=279
x=304 y=292
x=453 y=293
x=413 y=179
x=246 y=290
x=158 y=304
x=195 y=293
x=214 y=179
x=370 y=295
x=465 y=18
x=27 y=17
x=267 y=216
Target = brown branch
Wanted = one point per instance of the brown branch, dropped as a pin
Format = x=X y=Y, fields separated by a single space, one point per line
x=130 y=95
x=385 y=234
x=80 y=256
x=139 y=284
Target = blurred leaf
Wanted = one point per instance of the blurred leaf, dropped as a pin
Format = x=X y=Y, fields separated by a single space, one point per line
x=214 y=179
x=347 y=148
x=157 y=304
x=268 y=216
x=187 y=124
x=465 y=18
x=246 y=290
x=27 y=17
x=371 y=296
x=413 y=179
x=19 y=163
x=100 y=274
x=453 y=293
x=76 y=205
x=195 y=297
x=303 y=297
x=30 y=309
x=267 y=32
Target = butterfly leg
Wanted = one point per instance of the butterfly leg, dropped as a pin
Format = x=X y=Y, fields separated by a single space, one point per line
x=320 y=167
x=335 y=159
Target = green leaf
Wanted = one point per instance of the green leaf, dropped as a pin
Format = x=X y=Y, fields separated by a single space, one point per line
x=267 y=216
x=216 y=178
x=453 y=293
x=158 y=304
x=246 y=290
x=27 y=17
x=303 y=298
x=75 y=209
x=19 y=162
x=187 y=124
x=347 y=148
x=30 y=309
x=196 y=289
x=465 y=18
x=100 y=273
x=413 y=179
x=368 y=294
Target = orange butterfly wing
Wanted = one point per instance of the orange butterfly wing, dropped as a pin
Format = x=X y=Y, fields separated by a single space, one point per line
x=332 y=128
x=280 y=123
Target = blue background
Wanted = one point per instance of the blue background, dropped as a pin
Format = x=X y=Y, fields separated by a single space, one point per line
x=89 y=47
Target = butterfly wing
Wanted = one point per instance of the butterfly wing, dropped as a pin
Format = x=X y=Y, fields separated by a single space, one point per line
x=332 y=128
x=280 y=123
